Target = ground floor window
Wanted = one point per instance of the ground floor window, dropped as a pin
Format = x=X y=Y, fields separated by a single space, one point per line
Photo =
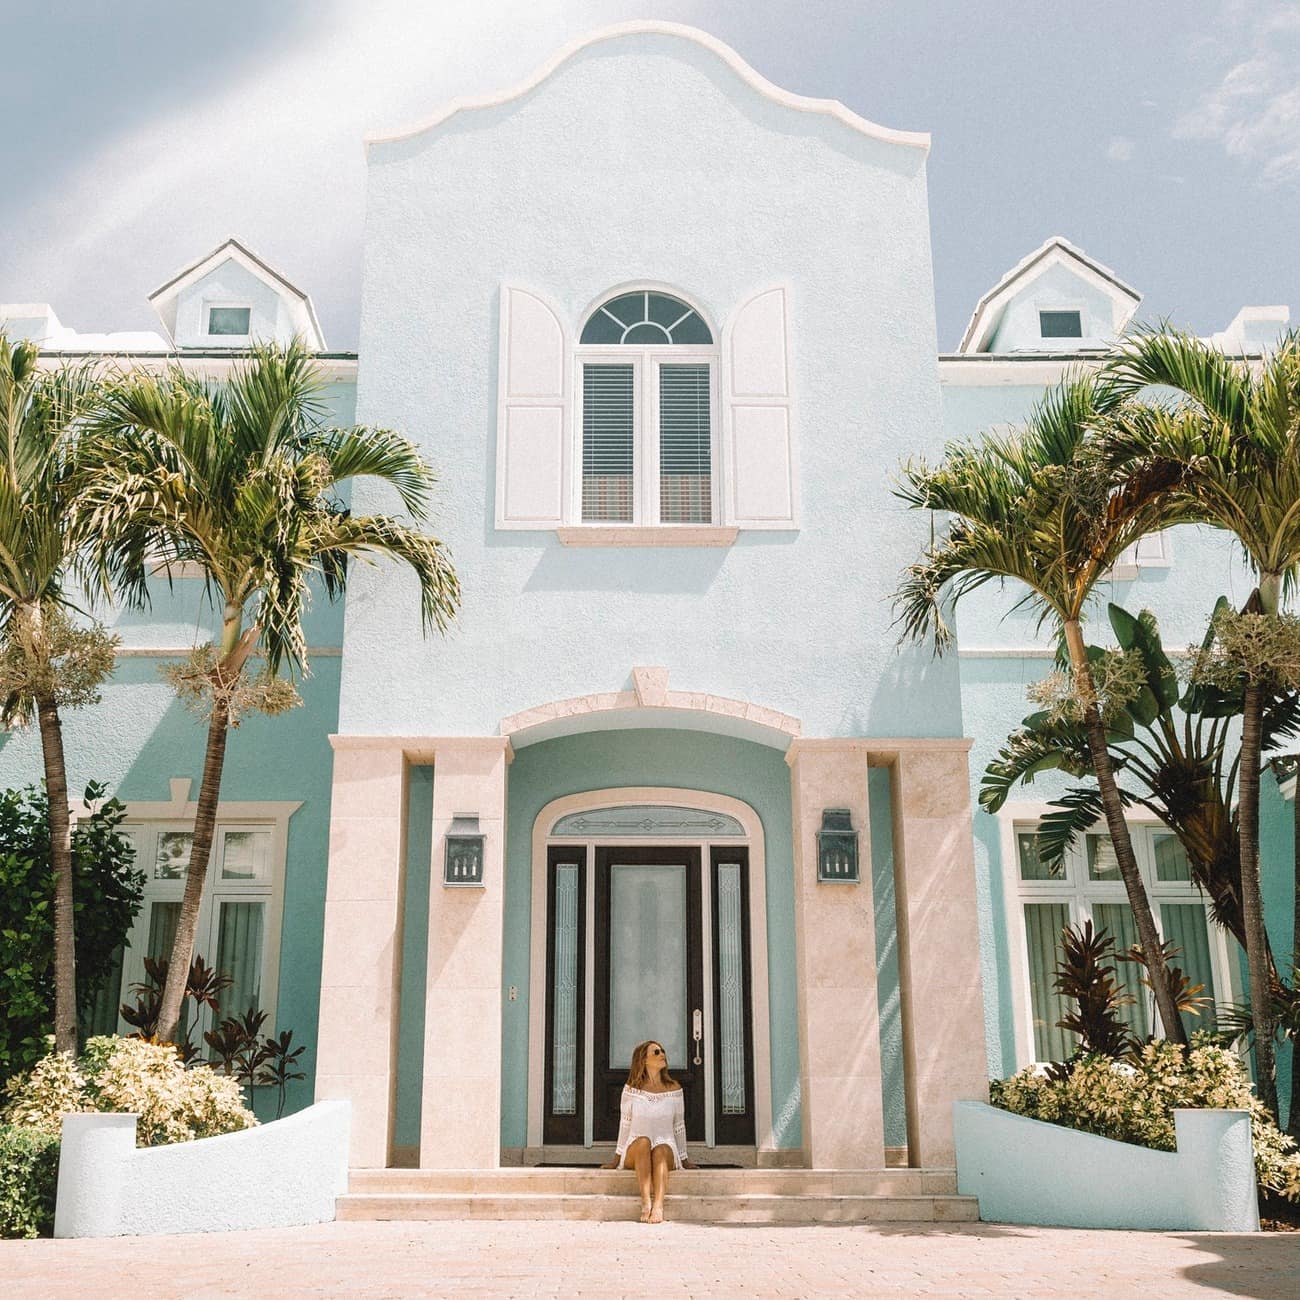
x=239 y=922
x=1086 y=885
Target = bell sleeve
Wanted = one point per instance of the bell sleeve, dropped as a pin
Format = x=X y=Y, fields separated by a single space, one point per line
x=679 y=1126
x=624 y=1125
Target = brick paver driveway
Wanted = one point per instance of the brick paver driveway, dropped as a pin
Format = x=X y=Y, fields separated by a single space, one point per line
x=611 y=1259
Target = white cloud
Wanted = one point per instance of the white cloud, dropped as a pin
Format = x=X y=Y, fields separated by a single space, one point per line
x=1253 y=111
x=1121 y=149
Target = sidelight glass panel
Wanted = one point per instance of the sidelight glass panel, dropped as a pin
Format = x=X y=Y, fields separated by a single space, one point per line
x=647 y=961
x=1184 y=926
x=1043 y=925
x=731 y=988
x=239 y=955
x=564 y=993
x=1117 y=920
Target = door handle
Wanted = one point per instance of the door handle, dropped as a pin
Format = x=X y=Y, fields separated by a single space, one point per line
x=697 y=1032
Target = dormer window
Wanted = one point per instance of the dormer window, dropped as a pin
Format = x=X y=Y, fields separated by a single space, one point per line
x=232 y=321
x=1060 y=324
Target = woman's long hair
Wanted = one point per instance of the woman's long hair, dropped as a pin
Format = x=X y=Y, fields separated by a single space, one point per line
x=639 y=1075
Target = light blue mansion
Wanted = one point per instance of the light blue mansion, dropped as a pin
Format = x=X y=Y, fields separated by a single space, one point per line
x=666 y=332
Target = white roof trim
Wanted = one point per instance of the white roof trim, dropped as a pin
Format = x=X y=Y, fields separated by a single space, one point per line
x=800 y=103
x=985 y=317
x=233 y=250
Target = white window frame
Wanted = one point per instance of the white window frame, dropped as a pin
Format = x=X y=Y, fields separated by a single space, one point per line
x=144 y=822
x=646 y=359
x=1080 y=894
x=227 y=340
x=1067 y=342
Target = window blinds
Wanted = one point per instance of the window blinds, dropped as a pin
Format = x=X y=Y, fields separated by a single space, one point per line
x=608 y=440
x=685 y=445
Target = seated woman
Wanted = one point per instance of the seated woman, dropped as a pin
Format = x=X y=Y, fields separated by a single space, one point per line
x=652 y=1133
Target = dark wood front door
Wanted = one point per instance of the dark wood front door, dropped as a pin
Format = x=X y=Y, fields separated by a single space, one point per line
x=648 y=975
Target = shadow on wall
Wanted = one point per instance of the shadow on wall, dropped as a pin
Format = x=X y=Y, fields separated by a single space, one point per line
x=917 y=695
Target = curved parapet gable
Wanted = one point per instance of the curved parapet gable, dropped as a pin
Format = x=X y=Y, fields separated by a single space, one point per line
x=831 y=108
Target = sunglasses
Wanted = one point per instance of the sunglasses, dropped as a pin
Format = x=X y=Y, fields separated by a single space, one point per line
x=656 y=1051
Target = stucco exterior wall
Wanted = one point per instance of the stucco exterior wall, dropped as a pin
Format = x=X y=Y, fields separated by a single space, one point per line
x=648 y=157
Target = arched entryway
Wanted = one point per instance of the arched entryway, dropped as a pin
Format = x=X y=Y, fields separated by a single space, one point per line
x=649 y=918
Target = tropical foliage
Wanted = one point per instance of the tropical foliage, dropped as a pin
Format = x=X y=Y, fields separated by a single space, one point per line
x=1231 y=437
x=244 y=480
x=107 y=889
x=1046 y=507
x=29 y=1172
x=47 y=662
x=174 y=1104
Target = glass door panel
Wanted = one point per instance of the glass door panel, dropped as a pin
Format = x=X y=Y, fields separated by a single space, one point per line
x=647 y=960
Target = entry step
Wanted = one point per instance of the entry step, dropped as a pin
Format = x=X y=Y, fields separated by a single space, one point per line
x=697 y=1196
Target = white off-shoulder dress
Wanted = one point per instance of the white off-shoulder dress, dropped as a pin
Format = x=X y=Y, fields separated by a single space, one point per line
x=658 y=1116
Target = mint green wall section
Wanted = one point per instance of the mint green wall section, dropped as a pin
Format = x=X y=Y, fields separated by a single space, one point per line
x=140 y=737
x=1277 y=869
x=880 y=802
x=690 y=760
x=415 y=954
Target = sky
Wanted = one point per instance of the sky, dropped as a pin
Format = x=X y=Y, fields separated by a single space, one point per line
x=1161 y=136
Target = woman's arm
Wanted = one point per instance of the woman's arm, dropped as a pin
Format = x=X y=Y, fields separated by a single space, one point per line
x=624 y=1130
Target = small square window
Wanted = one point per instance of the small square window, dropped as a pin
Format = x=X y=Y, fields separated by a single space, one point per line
x=229 y=320
x=1032 y=866
x=172 y=859
x=1060 y=324
x=1102 y=862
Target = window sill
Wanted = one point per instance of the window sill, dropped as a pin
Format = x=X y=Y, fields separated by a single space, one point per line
x=662 y=535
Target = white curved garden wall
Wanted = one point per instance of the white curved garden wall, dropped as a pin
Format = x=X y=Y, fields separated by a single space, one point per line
x=1025 y=1171
x=277 y=1175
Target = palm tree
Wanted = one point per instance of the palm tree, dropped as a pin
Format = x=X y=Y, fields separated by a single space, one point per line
x=1235 y=430
x=1041 y=506
x=46 y=660
x=240 y=479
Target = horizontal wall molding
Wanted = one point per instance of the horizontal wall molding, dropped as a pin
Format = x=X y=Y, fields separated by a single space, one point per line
x=180 y=651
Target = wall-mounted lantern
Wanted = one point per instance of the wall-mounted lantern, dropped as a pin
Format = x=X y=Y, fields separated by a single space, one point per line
x=464 y=861
x=837 y=848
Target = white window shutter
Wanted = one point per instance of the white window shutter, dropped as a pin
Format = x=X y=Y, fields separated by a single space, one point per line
x=533 y=395
x=762 y=489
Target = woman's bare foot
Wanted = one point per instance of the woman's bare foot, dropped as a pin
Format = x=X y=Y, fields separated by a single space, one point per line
x=645 y=1213
x=656 y=1214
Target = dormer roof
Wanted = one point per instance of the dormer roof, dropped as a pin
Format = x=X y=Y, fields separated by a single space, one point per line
x=1054 y=256
x=299 y=315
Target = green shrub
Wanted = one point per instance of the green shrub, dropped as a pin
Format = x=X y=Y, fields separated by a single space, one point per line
x=106 y=893
x=1133 y=1101
x=128 y=1074
x=29 y=1172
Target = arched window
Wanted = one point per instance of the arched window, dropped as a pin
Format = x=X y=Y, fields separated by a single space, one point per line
x=648 y=366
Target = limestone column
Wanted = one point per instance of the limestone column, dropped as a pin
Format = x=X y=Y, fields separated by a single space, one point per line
x=944 y=1055
x=835 y=945
x=357 y=1037
x=460 y=1124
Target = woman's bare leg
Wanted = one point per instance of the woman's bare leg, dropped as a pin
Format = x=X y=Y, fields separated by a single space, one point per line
x=661 y=1162
x=638 y=1156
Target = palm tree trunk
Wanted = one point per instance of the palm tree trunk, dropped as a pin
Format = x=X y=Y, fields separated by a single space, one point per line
x=1252 y=898
x=205 y=823
x=1122 y=842
x=60 y=824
